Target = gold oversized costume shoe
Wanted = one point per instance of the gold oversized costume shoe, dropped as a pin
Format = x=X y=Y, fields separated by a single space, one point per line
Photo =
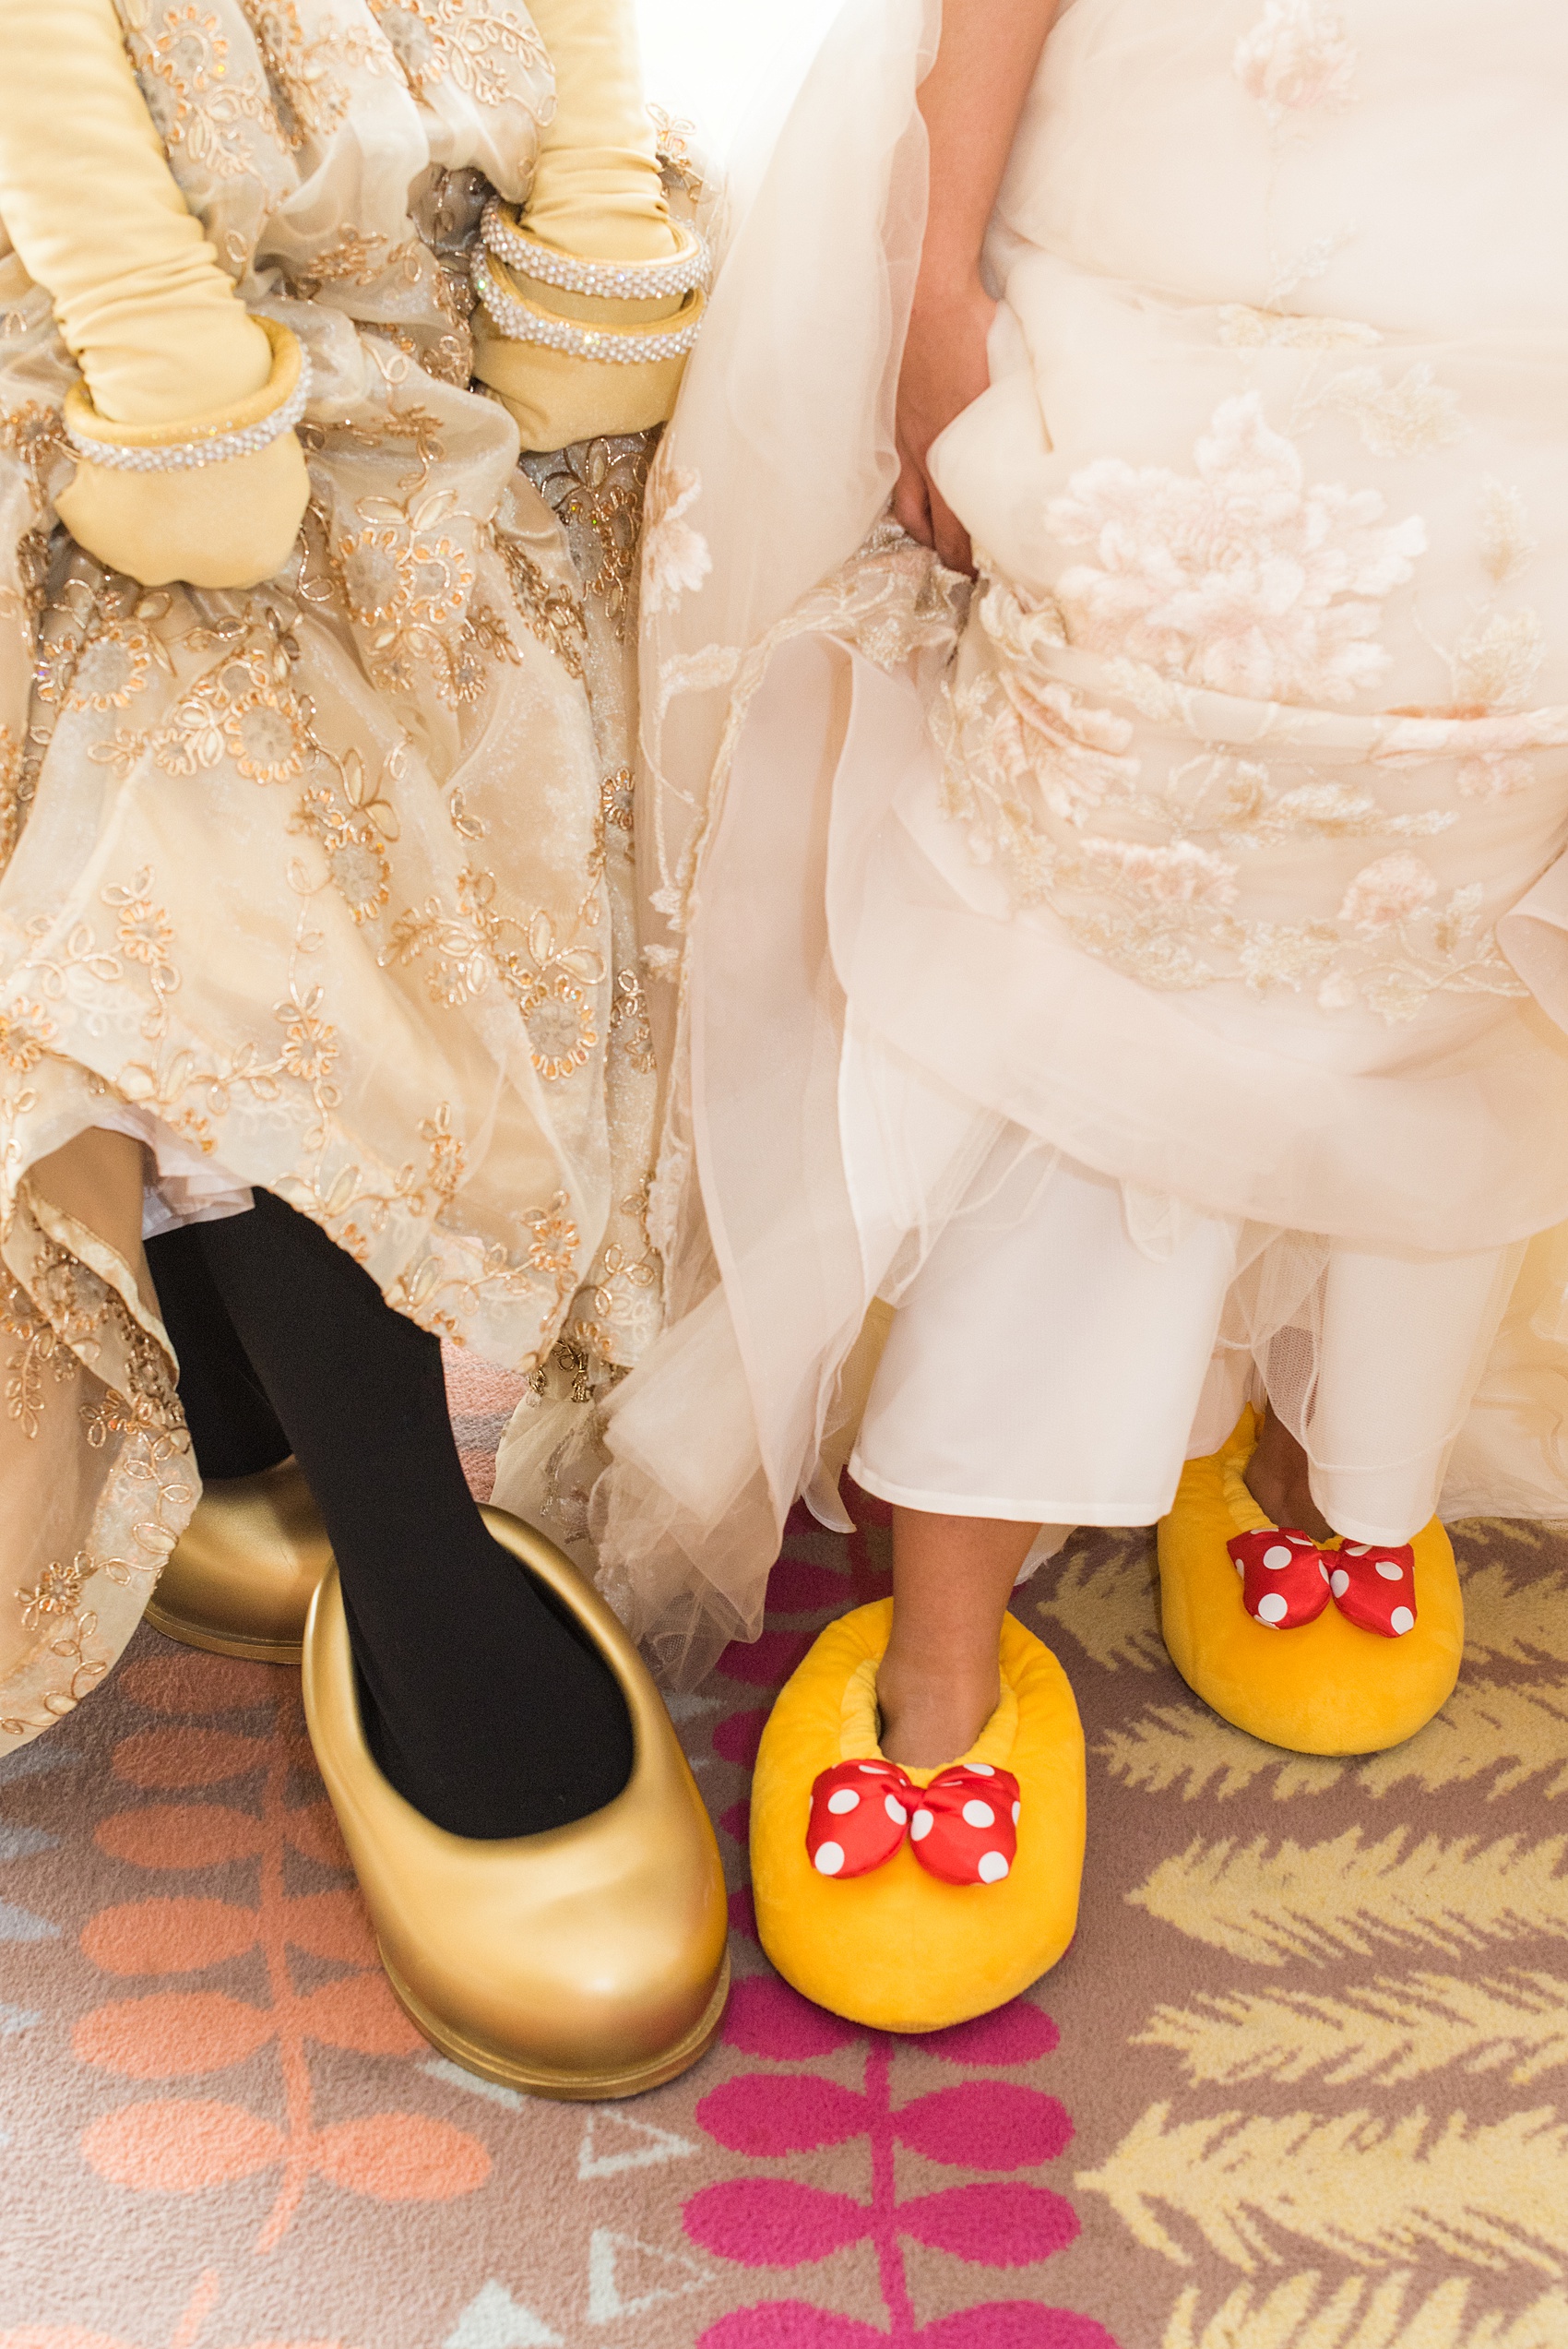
x=910 y=1899
x=241 y=1578
x=1299 y=1670
x=589 y=1960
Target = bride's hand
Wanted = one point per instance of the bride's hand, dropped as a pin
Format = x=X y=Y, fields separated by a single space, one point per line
x=944 y=368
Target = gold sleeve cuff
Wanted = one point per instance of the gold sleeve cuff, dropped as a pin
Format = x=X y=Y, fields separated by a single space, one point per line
x=561 y=396
x=216 y=501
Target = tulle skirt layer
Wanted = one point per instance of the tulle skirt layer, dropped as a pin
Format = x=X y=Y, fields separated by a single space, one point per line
x=1064 y=1332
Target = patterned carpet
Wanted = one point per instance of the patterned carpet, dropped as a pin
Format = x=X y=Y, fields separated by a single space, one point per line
x=1297 y=2084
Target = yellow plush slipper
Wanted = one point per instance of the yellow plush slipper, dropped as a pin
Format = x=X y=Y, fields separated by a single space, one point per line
x=1319 y=1685
x=912 y=1899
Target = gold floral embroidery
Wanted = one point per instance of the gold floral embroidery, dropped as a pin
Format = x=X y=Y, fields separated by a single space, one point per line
x=310 y=1042
x=353 y=258
x=243 y=708
x=466 y=949
x=144 y=930
x=549 y=613
x=264 y=735
x=444 y=1172
x=409 y=585
x=57 y=1592
x=413 y=424
x=27 y=1033
x=560 y=1031
x=182 y=62
x=310 y=97
x=615 y=801
x=674 y=134
x=597 y=490
x=33 y=436
x=16 y=794
x=629 y=1024
x=113 y=668
x=42 y=1353
x=436 y=40
x=353 y=821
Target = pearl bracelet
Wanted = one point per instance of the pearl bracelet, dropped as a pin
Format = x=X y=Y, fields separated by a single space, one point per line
x=180 y=448
x=617 y=346
x=609 y=280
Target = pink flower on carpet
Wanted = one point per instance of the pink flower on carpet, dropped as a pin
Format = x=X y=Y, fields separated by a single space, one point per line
x=785 y=2222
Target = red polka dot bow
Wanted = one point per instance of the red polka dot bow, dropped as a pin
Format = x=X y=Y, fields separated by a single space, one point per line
x=1287 y=1581
x=963 y=1827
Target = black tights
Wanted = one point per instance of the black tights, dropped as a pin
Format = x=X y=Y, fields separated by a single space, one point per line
x=483 y=1705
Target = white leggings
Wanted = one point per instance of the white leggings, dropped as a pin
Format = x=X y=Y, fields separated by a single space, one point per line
x=1045 y=1365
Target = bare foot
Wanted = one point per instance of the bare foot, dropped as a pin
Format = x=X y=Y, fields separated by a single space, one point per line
x=928 y=1722
x=938 y=1683
x=1276 y=1479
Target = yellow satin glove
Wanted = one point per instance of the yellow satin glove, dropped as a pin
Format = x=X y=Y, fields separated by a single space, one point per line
x=597 y=193
x=597 y=197
x=163 y=340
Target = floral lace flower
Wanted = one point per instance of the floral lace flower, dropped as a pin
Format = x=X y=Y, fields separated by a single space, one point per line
x=265 y=741
x=1493 y=775
x=1240 y=577
x=310 y=1045
x=185 y=59
x=145 y=931
x=372 y=581
x=561 y=1034
x=1388 y=893
x=1180 y=874
x=111 y=669
x=27 y=1032
x=1297 y=56
x=675 y=557
x=57 y=1592
x=437 y=579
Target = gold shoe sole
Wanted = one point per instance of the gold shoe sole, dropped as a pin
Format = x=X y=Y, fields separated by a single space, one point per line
x=221 y=1643
x=565 y=2087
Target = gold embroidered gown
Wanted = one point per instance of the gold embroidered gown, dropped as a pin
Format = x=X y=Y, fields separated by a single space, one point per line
x=325 y=885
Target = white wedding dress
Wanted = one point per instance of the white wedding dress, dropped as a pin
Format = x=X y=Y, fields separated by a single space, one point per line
x=1148 y=972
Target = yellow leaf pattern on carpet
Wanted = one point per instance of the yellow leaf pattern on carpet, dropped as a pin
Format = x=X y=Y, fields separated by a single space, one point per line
x=1389 y=2314
x=1368 y=2188
x=1383 y=2031
x=1276 y=1902
x=1519 y=1730
x=1512 y=1621
x=1179 y=1748
x=1106 y=1597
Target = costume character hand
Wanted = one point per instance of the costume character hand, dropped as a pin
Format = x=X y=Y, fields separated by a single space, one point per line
x=596 y=198
x=169 y=353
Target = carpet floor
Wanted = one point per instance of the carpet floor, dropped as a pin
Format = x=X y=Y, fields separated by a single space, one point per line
x=1298 y=2083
